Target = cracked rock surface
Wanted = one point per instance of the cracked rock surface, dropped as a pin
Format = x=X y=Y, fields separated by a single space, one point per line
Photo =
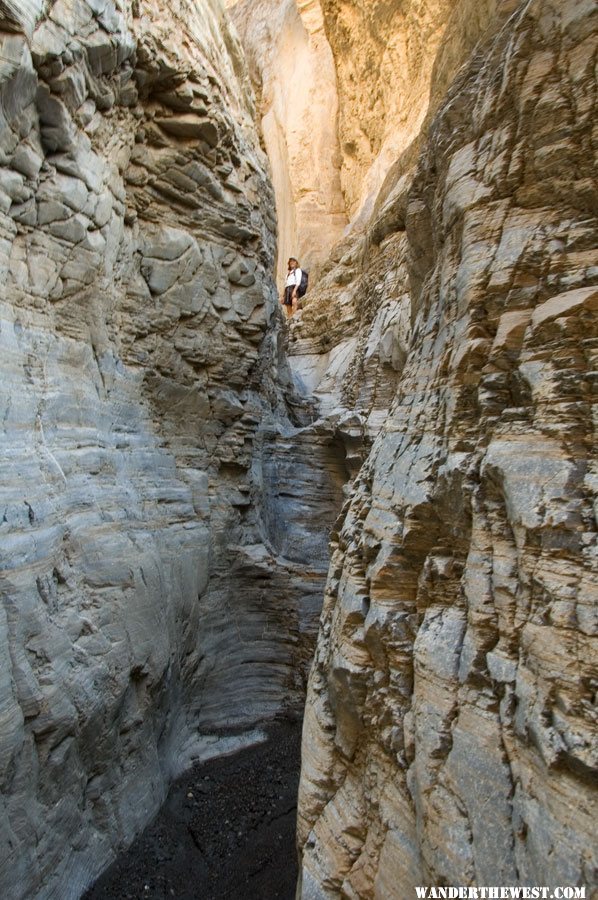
x=451 y=732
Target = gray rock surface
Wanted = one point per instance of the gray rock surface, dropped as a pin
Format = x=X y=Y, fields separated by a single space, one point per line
x=160 y=581
x=168 y=478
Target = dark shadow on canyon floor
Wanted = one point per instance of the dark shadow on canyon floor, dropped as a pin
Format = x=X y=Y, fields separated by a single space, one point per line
x=226 y=830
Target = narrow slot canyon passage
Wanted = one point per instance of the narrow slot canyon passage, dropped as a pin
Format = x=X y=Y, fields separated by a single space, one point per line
x=289 y=604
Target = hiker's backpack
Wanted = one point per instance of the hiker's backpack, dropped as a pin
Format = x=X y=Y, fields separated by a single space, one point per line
x=302 y=289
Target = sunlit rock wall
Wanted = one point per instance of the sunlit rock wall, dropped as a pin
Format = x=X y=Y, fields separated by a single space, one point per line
x=293 y=70
x=394 y=62
x=450 y=733
x=343 y=91
x=146 y=601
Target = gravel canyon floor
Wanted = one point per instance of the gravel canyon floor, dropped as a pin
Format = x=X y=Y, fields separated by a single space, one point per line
x=227 y=830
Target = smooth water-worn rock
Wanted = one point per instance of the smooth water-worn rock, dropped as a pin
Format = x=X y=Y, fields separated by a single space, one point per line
x=450 y=733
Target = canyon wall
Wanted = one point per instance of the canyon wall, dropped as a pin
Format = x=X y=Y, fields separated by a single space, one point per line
x=450 y=733
x=172 y=459
x=293 y=71
x=343 y=90
x=391 y=59
x=349 y=345
x=163 y=540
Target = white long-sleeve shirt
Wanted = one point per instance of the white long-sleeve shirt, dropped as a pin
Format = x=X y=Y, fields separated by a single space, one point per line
x=294 y=278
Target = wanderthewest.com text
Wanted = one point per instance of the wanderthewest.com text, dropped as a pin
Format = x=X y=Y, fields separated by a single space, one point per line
x=500 y=893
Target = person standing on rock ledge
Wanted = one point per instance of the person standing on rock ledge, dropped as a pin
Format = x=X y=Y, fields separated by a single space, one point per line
x=292 y=285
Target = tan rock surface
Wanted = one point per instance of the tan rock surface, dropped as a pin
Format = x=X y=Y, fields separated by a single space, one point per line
x=349 y=345
x=450 y=733
x=294 y=73
x=392 y=61
x=343 y=91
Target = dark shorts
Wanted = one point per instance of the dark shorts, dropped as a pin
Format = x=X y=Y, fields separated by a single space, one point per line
x=288 y=295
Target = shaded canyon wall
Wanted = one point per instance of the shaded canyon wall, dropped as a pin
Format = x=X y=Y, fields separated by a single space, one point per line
x=153 y=604
x=172 y=460
x=450 y=733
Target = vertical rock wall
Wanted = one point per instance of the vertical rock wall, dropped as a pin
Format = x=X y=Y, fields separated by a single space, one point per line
x=147 y=606
x=293 y=70
x=343 y=91
x=394 y=62
x=165 y=498
x=450 y=733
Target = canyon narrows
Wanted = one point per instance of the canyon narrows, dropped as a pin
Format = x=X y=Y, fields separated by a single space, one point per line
x=175 y=459
x=154 y=596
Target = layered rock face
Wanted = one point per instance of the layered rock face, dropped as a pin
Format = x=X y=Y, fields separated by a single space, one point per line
x=450 y=733
x=349 y=346
x=152 y=595
x=166 y=495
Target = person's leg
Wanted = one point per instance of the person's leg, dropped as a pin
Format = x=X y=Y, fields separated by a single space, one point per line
x=288 y=301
